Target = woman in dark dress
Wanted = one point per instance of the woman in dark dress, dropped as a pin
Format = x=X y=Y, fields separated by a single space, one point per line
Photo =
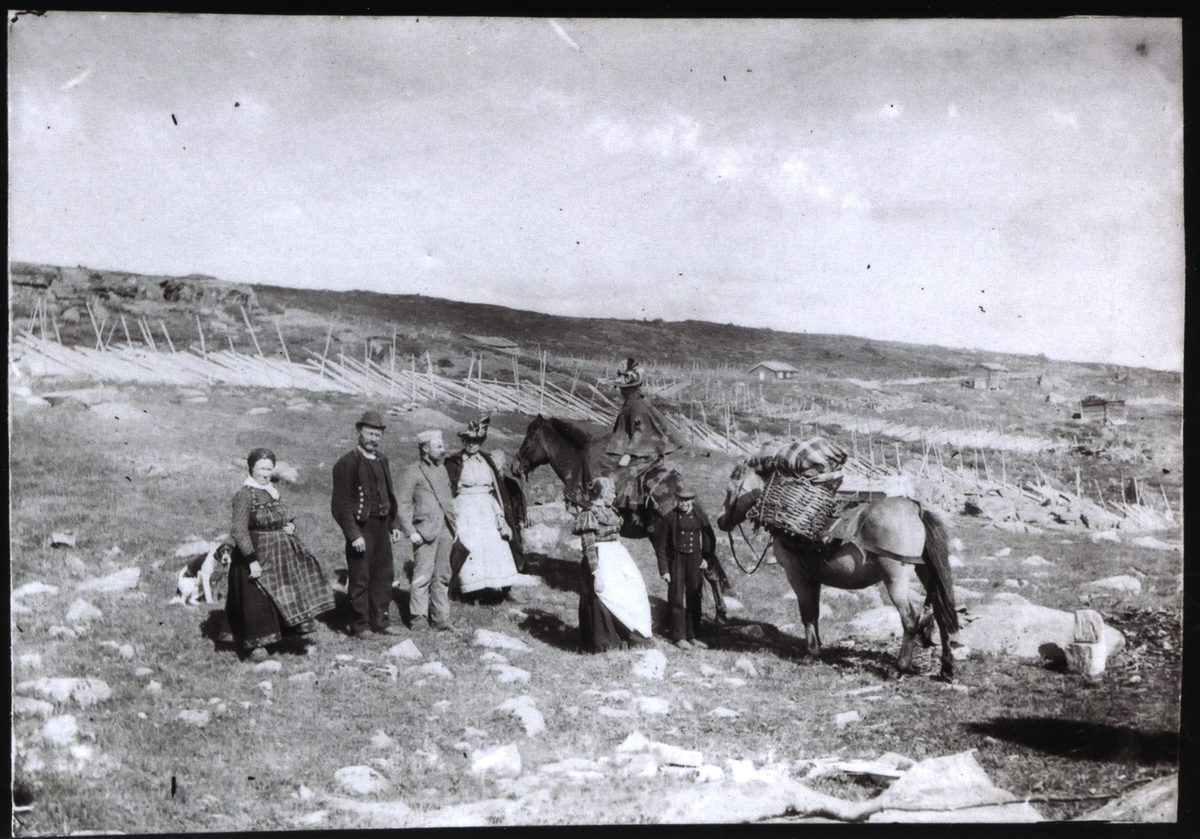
x=275 y=585
x=614 y=609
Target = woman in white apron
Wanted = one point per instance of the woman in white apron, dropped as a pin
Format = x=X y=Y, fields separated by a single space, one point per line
x=614 y=610
x=482 y=528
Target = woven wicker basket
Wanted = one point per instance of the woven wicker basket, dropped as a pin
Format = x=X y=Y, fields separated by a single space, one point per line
x=796 y=505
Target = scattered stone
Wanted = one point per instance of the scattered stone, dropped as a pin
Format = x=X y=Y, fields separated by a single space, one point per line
x=17 y=608
x=80 y=611
x=1012 y=583
x=436 y=668
x=493 y=657
x=748 y=632
x=308 y=677
x=1086 y=659
x=197 y=718
x=746 y=666
x=34 y=588
x=726 y=713
x=30 y=707
x=37 y=401
x=503 y=761
x=1089 y=627
x=1122 y=583
x=635 y=742
x=522 y=708
x=381 y=740
x=83 y=692
x=956 y=544
x=845 y=718
x=653 y=705
x=343 y=657
x=153 y=688
x=955 y=561
x=1157 y=801
x=960 y=653
x=1020 y=628
x=791 y=595
x=742 y=771
x=708 y=671
x=571 y=764
x=961 y=593
x=642 y=765
x=1004 y=552
x=735 y=681
x=265 y=686
x=123 y=580
x=506 y=674
x=1035 y=561
x=1011 y=599
x=253 y=412
x=31 y=660
x=62 y=540
x=1105 y=536
x=61 y=731
x=498 y=640
x=1157 y=544
x=677 y=756
x=316 y=817
x=143 y=671
x=708 y=772
x=268 y=666
x=616 y=713
x=652 y=664
x=360 y=780
x=540 y=538
x=733 y=604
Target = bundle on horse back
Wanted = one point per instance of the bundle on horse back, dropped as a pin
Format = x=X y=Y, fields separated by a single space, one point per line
x=802 y=478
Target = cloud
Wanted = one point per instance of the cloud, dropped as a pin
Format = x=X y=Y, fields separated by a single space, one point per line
x=78 y=80
x=1070 y=119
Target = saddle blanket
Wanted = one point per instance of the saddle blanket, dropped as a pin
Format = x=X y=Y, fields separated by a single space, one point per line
x=846 y=526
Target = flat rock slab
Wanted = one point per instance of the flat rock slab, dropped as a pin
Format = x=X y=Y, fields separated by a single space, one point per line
x=523 y=708
x=498 y=640
x=84 y=692
x=503 y=761
x=651 y=665
x=1022 y=630
x=123 y=580
x=1157 y=801
x=360 y=780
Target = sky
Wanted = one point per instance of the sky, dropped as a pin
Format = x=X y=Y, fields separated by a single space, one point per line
x=1014 y=186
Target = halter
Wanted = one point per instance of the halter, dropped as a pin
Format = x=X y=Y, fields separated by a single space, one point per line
x=746 y=539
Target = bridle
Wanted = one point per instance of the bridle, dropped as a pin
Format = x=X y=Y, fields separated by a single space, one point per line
x=746 y=539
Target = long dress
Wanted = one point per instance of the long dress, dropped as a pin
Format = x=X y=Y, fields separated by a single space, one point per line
x=292 y=588
x=620 y=614
x=490 y=563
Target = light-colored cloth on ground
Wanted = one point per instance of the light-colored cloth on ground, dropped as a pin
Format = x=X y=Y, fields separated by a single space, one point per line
x=624 y=589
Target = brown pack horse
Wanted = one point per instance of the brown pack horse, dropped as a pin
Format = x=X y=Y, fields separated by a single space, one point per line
x=896 y=541
x=577 y=458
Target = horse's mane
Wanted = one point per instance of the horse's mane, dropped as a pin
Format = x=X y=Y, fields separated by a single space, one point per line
x=575 y=435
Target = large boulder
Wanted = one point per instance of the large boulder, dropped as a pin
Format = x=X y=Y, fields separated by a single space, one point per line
x=1025 y=630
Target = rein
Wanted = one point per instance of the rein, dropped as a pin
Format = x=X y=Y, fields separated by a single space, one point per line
x=733 y=551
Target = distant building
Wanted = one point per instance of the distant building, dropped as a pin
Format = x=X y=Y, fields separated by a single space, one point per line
x=987 y=376
x=500 y=345
x=1098 y=409
x=774 y=369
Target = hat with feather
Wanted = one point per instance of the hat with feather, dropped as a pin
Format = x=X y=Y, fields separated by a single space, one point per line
x=630 y=375
x=476 y=432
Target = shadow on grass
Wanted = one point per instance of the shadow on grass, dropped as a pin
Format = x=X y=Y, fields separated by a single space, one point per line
x=560 y=574
x=551 y=629
x=1083 y=740
x=740 y=635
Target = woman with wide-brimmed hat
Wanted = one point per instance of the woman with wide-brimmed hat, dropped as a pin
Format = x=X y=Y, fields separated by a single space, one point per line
x=641 y=435
x=482 y=527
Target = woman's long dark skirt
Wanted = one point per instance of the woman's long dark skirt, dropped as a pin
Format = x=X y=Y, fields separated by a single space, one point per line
x=252 y=615
x=599 y=631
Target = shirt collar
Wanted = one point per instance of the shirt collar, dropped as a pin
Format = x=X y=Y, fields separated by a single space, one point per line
x=365 y=453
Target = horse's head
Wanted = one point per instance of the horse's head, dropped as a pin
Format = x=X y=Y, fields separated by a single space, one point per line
x=532 y=453
x=743 y=490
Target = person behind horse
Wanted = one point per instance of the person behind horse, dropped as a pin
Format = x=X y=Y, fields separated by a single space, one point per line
x=484 y=528
x=275 y=584
x=427 y=517
x=614 y=609
x=685 y=543
x=364 y=506
x=640 y=439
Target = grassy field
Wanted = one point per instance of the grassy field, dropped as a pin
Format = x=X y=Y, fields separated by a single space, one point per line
x=266 y=757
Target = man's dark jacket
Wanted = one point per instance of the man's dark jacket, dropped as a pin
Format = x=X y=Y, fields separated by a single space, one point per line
x=354 y=493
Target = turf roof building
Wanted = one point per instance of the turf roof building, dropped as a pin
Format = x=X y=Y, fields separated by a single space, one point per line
x=774 y=369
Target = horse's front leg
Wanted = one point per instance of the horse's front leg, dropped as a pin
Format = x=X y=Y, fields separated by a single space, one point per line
x=898 y=579
x=808 y=598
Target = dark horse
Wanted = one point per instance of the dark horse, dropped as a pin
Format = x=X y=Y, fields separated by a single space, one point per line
x=576 y=458
x=895 y=541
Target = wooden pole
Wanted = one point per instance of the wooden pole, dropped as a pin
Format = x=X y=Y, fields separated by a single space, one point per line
x=111 y=332
x=95 y=328
x=149 y=334
x=54 y=321
x=167 y=335
x=282 y=343
x=542 y=391
x=200 y=329
x=253 y=337
x=325 y=352
x=128 y=340
x=231 y=349
x=392 y=363
x=413 y=377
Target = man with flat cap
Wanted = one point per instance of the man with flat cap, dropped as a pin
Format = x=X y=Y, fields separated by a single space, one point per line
x=365 y=507
x=684 y=543
x=426 y=515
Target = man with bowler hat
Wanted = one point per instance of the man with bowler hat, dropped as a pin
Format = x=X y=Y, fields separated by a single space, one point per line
x=684 y=543
x=365 y=507
x=427 y=517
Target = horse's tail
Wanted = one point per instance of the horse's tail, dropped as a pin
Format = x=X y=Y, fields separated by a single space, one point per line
x=937 y=559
